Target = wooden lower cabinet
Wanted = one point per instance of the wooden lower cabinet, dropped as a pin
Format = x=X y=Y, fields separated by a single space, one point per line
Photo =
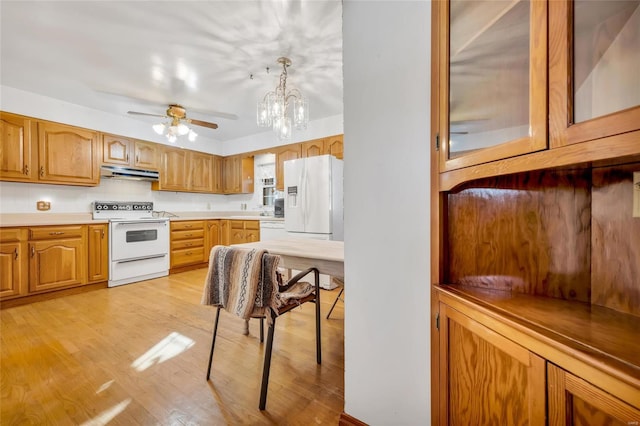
x=485 y=377
x=244 y=231
x=98 y=245
x=574 y=401
x=13 y=263
x=212 y=236
x=225 y=232
x=187 y=243
x=57 y=257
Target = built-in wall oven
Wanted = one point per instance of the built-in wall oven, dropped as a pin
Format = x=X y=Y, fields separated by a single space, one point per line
x=138 y=242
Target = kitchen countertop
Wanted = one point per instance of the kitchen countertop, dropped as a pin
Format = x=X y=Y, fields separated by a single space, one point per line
x=51 y=219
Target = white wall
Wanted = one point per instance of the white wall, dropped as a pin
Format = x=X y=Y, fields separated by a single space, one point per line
x=386 y=58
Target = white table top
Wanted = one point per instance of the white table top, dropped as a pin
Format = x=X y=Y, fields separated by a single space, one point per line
x=298 y=253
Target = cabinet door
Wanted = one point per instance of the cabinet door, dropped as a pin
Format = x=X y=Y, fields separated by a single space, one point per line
x=146 y=155
x=486 y=378
x=217 y=175
x=175 y=170
x=594 y=52
x=573 y=401
x=288 y=152
x=225 y=232
x=16 y=153
x=116 y=150
x=334 y=146
x=67 y=154
x=231 y=172
x=98 y=253
x=493 y=79
x=13 y=273
x=212 y=237
x=201 y=172
x=56 y=264
x=313 y=148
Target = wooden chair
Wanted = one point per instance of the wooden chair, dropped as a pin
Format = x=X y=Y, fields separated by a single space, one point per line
x=223 y=277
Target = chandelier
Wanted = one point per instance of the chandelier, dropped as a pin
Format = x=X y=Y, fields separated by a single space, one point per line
x=274 y=107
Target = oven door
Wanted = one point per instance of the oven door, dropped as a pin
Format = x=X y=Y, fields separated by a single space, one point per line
x=135 y=239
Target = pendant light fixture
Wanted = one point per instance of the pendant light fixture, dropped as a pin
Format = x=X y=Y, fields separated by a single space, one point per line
x=273 y=109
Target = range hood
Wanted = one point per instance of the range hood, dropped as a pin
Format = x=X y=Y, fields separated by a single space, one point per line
x=119 y=172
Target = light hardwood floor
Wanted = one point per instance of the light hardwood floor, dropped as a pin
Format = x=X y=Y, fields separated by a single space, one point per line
x=137 y=354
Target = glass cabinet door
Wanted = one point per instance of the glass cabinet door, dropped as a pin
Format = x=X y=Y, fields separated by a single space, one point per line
x=493 y=73
x=594 y=65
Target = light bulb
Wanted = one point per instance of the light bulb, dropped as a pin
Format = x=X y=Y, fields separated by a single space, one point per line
x=172 y=138
x=192 y=136
x=182 y=129
x=158 y=128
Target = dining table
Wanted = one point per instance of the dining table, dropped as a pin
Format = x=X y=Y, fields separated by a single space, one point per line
x=302 y=253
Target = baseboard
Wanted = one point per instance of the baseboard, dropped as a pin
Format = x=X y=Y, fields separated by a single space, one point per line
x=25 y=300
x=347 y=420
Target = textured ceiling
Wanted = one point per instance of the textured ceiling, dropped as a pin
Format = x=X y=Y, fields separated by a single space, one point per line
x=117 y=56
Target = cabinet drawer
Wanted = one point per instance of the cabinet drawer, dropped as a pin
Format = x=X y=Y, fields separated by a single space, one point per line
x=237 y=224
x=187 y=225
x=55 y=232
x=187 y=235
x=184 y=244
x=251 y=224
x=187 y=256
x=8 y=235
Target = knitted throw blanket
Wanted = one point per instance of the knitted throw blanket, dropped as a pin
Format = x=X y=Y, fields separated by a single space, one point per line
x=242 y=281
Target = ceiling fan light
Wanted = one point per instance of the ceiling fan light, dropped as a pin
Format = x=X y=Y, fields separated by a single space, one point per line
x=158 y=128
x=172 y=138
x=192 y=136
x=182 y=129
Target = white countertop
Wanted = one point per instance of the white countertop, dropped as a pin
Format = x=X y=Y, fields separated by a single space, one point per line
x=51 y=219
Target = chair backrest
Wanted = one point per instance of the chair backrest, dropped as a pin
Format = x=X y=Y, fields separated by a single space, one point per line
x=242 y=281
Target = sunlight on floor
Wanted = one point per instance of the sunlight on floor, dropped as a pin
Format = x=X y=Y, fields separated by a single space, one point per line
x=107 y=415
x=172 y=345
x=105 y=386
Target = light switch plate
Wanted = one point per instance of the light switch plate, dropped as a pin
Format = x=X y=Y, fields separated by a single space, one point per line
x=636 y=194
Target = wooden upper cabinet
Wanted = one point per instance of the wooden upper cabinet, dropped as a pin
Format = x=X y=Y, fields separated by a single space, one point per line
x=174 y=170
x=312 y=148
x=334 y=145
x=146 y=155
x=116 y=150
x=123 y=151
x=493 y=80
x=200 y=172
x=216 y=165
x=285 y=153
x=17 y=155
x=594 y=51
x=237 y=174
x=67 y=154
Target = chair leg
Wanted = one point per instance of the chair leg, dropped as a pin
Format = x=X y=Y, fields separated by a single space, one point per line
x=318 y=340
x=267 y=364
x=334 y=302
x=213 y=342
x=261 y=330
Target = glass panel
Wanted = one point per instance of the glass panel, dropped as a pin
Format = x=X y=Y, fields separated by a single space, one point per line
x=144 y=235
x=488 y=73
x=606 y=57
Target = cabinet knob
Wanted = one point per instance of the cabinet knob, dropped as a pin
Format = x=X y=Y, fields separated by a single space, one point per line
x=26 y=169
x=15 y=253
x=102 y=234
x=127 y=157
x=33 y=251
x=41 y=171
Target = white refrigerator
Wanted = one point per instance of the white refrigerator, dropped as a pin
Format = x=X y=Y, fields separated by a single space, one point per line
x=313 y=205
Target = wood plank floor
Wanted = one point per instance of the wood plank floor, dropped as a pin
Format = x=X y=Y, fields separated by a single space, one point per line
x=137 y=354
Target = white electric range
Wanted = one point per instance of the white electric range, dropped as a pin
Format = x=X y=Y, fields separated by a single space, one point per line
x=138 y=242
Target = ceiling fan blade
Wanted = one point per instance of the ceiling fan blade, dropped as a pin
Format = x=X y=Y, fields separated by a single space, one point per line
x=145 y=113
x=203 y=123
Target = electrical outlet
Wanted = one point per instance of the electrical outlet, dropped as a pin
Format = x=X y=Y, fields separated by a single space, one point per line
x=43 y=205
x=636 y=194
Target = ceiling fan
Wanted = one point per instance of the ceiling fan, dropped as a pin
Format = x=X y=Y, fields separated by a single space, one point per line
x=178 y=115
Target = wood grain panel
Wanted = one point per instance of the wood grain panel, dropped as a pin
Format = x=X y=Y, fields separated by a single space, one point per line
x=495 y=381
x=528 y=233
x=615 y=260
